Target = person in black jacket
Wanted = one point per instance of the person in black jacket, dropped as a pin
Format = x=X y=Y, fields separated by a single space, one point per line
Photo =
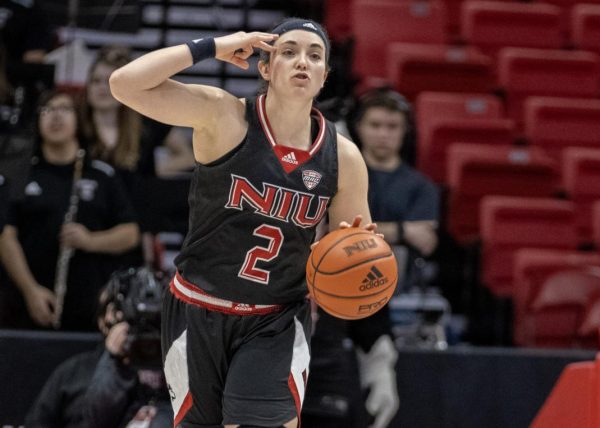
x=62 y=178
x=100 y=388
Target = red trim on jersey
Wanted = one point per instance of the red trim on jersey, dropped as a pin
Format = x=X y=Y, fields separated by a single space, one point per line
x=185 y=407
x=194 y=295
x=296 y=395
x=283 y=152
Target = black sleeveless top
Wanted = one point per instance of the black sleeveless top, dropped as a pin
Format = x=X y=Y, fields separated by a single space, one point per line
x=253 y=214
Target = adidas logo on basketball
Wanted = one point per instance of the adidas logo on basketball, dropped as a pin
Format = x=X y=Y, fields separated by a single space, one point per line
x=374 y=279
x=290 y=158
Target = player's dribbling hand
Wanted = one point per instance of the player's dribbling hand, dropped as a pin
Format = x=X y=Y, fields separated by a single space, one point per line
x=371 y=227
x=238 y=47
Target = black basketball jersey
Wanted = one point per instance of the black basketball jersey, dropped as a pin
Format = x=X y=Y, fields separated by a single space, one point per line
x=253 y=214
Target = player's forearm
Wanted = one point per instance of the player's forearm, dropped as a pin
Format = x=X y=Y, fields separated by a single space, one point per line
x=115 y=240
x=15 y=263
x=150 y=70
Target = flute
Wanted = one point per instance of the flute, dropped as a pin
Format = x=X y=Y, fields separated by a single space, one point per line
x=65 y=252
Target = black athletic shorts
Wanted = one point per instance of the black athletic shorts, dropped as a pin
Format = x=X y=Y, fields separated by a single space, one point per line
x=231 y=363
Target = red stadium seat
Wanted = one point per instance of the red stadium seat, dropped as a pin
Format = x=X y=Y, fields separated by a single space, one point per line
x=432 y=147
x=532 y=268
x=525 y=72
x=585 y=27
x=556 y=123
x=596 y=223
x=338 y=19
x=432 y=107
x=511 y=223
x=453 y=8
x=413 y=68
x=573 y=402
x=561 y=306
x=376 y=23
x=491 y=25
x=591 y=319
x=477 y=170
x=581 y=181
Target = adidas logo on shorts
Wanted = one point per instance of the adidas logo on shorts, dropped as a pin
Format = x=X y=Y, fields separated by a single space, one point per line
x=290 y=158
x=374 y=279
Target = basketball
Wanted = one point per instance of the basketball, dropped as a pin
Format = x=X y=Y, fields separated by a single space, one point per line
x=351 y=273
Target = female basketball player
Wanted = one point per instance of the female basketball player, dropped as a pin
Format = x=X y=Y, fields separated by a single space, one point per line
x=236 y=322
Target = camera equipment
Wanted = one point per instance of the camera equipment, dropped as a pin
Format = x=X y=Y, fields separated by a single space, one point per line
x=137 y=293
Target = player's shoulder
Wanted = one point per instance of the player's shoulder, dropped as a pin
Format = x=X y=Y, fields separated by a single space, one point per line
x=348 y=152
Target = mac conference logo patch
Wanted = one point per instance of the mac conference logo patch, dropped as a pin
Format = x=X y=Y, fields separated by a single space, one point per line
x=311 y=178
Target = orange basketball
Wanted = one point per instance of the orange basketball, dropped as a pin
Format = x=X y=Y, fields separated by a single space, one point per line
x=351 y=273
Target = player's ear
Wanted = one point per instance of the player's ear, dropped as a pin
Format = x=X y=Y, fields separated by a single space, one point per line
x=264 y=70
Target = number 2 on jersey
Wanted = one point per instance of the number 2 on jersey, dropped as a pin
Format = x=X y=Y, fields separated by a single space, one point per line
x=266 y=254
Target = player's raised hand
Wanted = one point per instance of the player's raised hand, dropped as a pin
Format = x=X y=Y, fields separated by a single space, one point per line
x=238 y=47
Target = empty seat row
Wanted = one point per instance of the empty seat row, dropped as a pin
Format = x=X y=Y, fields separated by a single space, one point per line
x=556 y=295
x=550 y=123
x=476 y=170
x=527 y=72
x=485 y=25
x=512 y=223
x=519 y=73
x=377 y=23
x=491 y=25
x=555 y=123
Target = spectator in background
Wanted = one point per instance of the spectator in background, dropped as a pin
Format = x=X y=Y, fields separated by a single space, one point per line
x=24 y=31
x=104 y=227
x=129 y=143
x=118 y=134
x=403 y=202
x=113 y=130
x=100 y=389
